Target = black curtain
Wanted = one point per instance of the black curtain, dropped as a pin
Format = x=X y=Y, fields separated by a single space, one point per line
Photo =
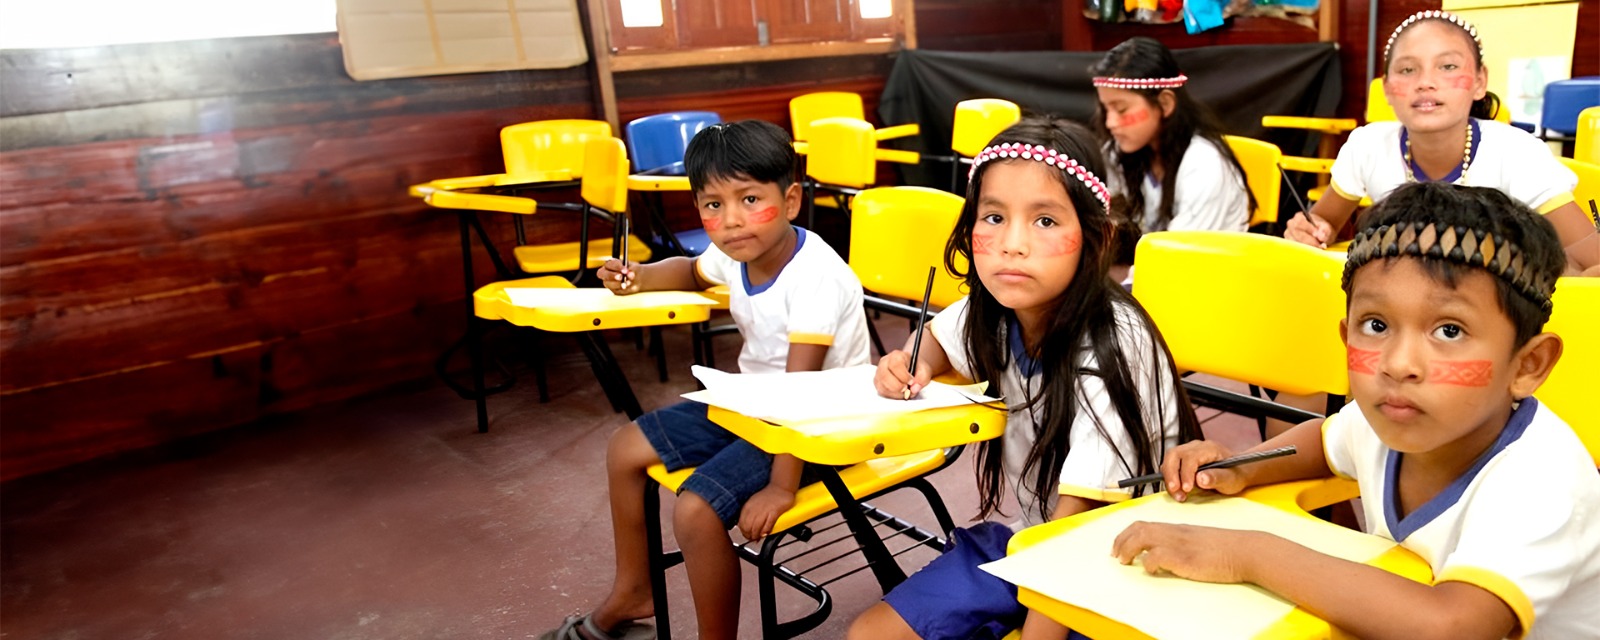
x=1240 y=83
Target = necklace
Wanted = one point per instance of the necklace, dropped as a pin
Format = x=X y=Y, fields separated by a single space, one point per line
x=1466 y=158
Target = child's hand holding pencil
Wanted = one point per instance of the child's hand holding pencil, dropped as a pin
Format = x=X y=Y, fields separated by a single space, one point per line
x=622 y=278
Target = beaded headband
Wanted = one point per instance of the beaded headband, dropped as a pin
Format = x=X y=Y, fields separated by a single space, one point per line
x=1461 y=245
x=1048 y=156
x=1434 y=14
x=1140 y=83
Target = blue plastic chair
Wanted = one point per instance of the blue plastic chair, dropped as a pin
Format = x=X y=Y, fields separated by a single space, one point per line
x=1563 y=101
x=656 y=145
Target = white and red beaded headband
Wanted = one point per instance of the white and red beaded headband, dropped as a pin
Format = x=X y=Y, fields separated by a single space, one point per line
x=1048 y=156
x=1434 y=14
x=1140 y=83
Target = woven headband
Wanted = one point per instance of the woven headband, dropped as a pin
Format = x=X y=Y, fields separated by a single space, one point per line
x=1140 y=83
x=1048 y=156
x=1434 y=14
x=1461 y=245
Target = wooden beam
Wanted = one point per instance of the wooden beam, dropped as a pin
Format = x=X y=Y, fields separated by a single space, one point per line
x=728 y=55
x=604 y=62
x=906 y=13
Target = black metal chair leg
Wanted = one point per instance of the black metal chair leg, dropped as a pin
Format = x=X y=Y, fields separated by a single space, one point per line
x=660 y=560
x=660 y=352
x=612 y=378
x=872 y=332
x=877 y=555
x=1261 y=421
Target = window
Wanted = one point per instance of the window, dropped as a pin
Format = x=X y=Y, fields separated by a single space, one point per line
x=640 y=30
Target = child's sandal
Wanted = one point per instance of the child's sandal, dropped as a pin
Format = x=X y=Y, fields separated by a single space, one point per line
x=584 y=628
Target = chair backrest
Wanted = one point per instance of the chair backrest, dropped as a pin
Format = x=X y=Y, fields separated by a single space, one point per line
x=1570 y=389
x=896 y=233
x=1565 y=99
x=1588 y=182
x=660 y=140
x=605 y=174
x=811 y=107
x=1587 y=148
x=1378 y=109
x=1248 y=307
x=1260 y=161
x=843 y=152
x=545 y=146
x=978 y=121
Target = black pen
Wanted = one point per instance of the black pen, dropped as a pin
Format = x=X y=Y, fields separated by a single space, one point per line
x=922 y=319
x=1304 y=210
x=1224 y=463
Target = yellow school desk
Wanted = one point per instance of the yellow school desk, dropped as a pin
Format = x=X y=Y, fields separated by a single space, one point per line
x=1294 y=497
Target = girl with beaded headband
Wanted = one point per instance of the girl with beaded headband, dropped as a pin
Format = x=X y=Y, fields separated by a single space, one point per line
x=1092 y=392
x=1167 y=157
x=1436 y=82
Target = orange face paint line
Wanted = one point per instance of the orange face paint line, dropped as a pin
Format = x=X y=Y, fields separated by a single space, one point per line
x=1461 y=373
x=982 y=244
x=1067 y=244
x=711 y=224
x=1361 y=360
x=763 y=216
x=1135 y=116
x=1462 y=82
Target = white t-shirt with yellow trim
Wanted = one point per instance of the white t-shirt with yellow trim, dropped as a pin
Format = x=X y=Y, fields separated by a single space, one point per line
x=1372 y=164
x=1093 y=465
x=1522 y=523
x=1210 y=194
x=814 y=299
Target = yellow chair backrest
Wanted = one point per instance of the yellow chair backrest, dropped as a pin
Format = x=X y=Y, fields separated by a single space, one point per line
x=1588 y=182
x=842 y=151
x=978 y=121
x=1571 y=388
x=811 y=107
x=545 y=146
x=1247 y=307
x=1587 y=148
x=1378 y=108
x=605 y=174
x=1260 y=161
x=896 y=233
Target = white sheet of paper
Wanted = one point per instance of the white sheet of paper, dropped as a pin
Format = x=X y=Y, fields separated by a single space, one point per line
x=600 y=298
x=807 y=396
x=1077 y=568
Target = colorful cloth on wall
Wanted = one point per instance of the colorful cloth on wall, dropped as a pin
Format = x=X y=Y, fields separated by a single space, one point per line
x=1198 y=15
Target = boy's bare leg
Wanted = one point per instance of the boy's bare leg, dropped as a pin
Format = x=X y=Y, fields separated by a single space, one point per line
x=1039 y=627
x=627 y=457
x=1316 y=403
x=881 y=622
x=712 y=565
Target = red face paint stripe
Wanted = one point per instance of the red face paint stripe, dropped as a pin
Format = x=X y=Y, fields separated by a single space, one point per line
x=763 y=216
x=1361 y=360
x=1461 y=373
x=982 y=244
x=1137 y=116
x=1069 y=244
x=711 y=224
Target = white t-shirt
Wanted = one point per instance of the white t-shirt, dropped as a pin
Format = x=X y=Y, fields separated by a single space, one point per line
x=1372 y=163
x=814 y=299
x=1210 y=194
x=1092 y=466
x=1522 y=523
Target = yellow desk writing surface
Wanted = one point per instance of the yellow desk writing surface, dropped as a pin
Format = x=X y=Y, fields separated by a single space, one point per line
x=565 y=309
x=850 y=440
x=1122 y=602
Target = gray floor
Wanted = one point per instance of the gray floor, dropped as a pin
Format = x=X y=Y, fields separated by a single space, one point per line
x=383 y=518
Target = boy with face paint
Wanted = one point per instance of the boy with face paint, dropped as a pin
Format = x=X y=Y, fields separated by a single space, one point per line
x=1448 y=289
x=798 y=308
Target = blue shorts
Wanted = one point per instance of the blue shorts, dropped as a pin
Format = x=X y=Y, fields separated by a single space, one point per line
x=952 y=598
x=730 y=470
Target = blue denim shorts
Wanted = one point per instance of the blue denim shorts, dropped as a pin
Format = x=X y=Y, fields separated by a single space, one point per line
x=729 y=469
x=952 y=598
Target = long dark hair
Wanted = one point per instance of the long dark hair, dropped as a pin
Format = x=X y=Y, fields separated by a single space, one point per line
x=1485 y=108
x=1146 y=58
x=1086 y=321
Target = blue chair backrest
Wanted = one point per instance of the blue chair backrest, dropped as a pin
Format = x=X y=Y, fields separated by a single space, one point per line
x=659 y=140
x=1564 y=99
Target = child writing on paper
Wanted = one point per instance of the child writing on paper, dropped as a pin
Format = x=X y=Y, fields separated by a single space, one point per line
x=1448 y=290
x=1091 y=387
x=1168 y=161
x=1436 y=82
x=798 y=307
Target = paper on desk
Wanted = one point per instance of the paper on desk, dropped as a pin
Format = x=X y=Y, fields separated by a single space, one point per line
x=1076 y=567
x=600 y=298
x=804 y=396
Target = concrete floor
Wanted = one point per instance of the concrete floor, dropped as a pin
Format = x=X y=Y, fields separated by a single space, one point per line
x=388 y=517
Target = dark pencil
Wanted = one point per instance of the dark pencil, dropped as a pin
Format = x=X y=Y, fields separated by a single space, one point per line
x=1304 y=210
x=1594 y=213
x=1224 y=463
x=627 y=230
x=922 y=319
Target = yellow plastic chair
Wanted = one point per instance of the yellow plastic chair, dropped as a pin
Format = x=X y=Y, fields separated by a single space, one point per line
x=536 y=154
x=842 y=157
x=1587 y=148
x=896 y=233
x=977 y=121
x=1570 y=389
x=1260 y=160
x=1248 y=307
x=811 y=107
x=1588 y=182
